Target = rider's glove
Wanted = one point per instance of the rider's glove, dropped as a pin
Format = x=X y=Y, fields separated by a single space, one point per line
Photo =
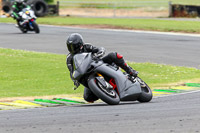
x=76 y=84
x=134 y=73
x=100 y=53
x=19 y=18
x=12 y=15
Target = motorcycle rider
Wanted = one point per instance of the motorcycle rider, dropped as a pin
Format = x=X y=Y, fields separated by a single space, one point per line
x=17 y=6
x=76 y=45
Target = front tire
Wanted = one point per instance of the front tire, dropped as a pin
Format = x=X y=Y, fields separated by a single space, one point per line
x=146 y=94
x=36 y=27
x=111 y=99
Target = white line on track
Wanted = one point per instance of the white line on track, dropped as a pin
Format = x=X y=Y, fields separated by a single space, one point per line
x=190 y=92
x=133 y=31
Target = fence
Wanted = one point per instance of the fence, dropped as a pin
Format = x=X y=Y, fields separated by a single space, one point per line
x=114 y=9
x=40 y=7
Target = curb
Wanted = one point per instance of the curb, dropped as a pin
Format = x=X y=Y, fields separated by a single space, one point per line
x=40 y=103
x=187 y=87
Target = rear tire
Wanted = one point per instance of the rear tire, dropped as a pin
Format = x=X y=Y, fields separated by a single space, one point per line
x=23 y=30
x=146 y=94
x=112 y=99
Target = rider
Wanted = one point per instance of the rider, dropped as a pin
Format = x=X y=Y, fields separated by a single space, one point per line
x=17 y=6
x=76 y=45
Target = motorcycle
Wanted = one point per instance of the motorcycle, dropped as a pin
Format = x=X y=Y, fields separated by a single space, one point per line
x=107 y=81
x=28 y=22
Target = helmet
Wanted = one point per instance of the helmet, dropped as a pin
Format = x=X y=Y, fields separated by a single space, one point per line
x=19 y=1
x=74 y=43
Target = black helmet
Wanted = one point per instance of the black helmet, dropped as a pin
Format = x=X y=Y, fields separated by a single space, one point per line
x=74 y=43
x=19 y=1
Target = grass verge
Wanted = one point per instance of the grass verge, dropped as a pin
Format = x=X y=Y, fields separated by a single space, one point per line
x=163 y=4
x=144 y=2
x=25 y=73
x=122 y=23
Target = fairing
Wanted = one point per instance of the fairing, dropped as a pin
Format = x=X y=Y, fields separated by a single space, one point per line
x=128 y=91
x=81 y=64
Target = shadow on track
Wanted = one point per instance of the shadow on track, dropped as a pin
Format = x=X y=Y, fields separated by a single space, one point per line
x=104 y=104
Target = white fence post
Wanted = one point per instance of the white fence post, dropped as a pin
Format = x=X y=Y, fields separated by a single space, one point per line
x=170 y=8
x=114 y=10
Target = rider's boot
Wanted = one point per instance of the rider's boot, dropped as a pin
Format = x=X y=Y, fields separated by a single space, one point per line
x=129 y=70
x=17 y=26
x=124 y=65
x=89 y=96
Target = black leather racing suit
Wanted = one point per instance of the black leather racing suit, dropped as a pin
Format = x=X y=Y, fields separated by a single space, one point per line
x=112 y=57
x=16 y=9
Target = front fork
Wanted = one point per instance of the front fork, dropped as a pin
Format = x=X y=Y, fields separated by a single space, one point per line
x=111 y=85
x=103 y=82
x=31 y=24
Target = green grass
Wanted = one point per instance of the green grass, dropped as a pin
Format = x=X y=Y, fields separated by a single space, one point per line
x=137 y=24
x=124 y=3
x=25 y=73
x=141 y=1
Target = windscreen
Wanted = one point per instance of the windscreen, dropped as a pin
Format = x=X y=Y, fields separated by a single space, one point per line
x=82 y=62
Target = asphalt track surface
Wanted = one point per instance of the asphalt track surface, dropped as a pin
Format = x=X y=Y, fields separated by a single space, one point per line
x=179 y=50
x=171 y=114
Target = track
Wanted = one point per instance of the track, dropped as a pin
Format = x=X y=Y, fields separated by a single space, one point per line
x=173 y=114
x=178 y=113
x=180 y=50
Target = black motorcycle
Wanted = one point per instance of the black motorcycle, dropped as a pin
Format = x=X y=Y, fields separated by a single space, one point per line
x=107 y=81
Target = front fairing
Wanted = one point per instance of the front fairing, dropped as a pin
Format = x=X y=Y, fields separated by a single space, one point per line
x=32 y=14
x=27 y=14
x=81 y=64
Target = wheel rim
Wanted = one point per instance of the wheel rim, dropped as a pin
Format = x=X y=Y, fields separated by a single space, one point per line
x=110 y=93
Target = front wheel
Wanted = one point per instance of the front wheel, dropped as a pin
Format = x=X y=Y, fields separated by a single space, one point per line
x=146 y=94
x=108 y=96
x=36 y=27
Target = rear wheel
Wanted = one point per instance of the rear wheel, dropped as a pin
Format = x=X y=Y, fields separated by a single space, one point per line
x=24 y=30
x=106 y=95
x=146 y=94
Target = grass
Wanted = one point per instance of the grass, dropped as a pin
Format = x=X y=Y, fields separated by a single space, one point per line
x=25 y=73
x=123 y=23
x=125 y=3
x=141 y=1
